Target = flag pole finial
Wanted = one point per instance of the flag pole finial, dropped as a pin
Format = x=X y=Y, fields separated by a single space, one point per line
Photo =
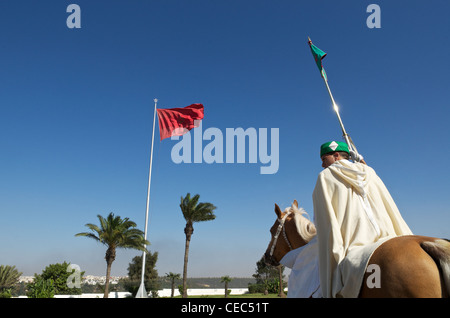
x=309 y=40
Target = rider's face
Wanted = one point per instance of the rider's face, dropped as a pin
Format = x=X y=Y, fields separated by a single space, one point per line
x=329 y=158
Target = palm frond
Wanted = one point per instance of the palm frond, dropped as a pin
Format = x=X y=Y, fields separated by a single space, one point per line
x=194 y=211
x=116 y=232
x=87 y=234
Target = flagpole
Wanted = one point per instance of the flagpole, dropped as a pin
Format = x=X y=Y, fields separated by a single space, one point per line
x=142 y=293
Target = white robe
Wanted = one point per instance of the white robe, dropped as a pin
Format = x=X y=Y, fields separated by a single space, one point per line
x=354 y=213
x=304 y=277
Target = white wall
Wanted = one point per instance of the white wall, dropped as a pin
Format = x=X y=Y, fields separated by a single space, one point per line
x=163 y=293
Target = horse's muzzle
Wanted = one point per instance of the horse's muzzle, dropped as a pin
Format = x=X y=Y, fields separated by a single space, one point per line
x=270 y=260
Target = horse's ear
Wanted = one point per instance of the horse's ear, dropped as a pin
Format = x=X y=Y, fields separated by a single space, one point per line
x=295 y=203
x=278 y=211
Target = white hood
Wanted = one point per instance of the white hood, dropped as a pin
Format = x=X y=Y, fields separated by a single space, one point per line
x=351 y=174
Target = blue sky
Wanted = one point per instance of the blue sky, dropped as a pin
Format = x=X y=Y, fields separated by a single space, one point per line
x=76 y=109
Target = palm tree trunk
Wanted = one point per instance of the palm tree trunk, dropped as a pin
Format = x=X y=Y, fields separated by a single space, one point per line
x=188 y=230
x=173 y=288
x=108 y=274
x=281 y=291
x=110 y=257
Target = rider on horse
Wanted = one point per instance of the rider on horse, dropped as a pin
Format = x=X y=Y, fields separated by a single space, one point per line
x=354 y=213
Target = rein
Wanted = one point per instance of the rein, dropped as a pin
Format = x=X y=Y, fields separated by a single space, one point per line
x=280 y=229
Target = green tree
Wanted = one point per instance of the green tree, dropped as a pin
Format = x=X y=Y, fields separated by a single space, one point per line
x=41 y=288
x=60 y=276
x=115 y=232
x=264 y=272
x=172 y=278
x=267 y=277
x=193 y=212
x=226 y=279
x=133 y=281
x=9 y=276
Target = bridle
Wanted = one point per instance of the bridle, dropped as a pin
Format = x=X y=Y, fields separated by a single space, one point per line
x=280 y=229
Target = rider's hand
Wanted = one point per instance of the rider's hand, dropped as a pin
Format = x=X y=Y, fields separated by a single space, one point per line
x=356 y=157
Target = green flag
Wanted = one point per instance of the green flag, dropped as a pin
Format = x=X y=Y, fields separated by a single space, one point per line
x=318 y=55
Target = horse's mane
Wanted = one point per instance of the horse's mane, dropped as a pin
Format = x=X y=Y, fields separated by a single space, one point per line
x=305 y=228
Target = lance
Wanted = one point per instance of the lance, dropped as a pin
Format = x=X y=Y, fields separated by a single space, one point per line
x=318 y=55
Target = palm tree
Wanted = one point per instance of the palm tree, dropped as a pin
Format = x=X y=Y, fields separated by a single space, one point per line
x=226 y=279
x=193 y=212
x=9 y=276
x=172 y=277
x=115 y=232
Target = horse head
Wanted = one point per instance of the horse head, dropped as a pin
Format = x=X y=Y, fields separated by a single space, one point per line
x=295 y=231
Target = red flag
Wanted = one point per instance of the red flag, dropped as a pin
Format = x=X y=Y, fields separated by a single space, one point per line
x=177 y=121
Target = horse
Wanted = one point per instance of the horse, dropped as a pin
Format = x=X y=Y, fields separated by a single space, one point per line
x=411 y=266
